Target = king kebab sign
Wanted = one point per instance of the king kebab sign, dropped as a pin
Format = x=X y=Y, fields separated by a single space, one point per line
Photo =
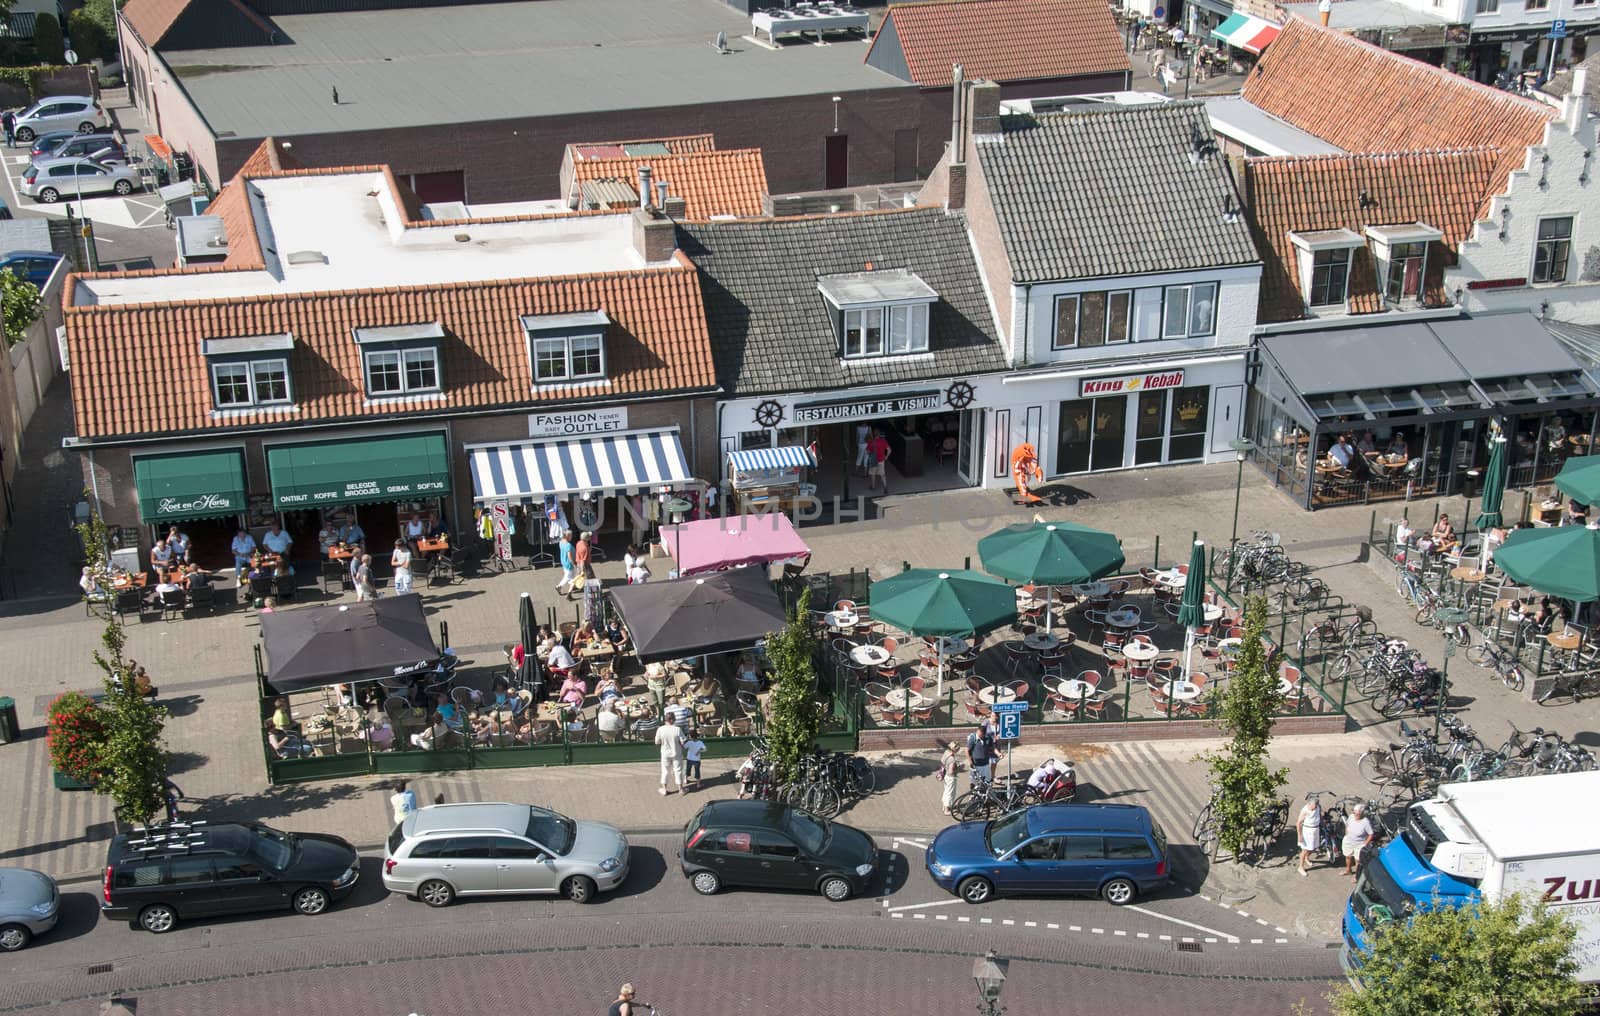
x=1130 y=383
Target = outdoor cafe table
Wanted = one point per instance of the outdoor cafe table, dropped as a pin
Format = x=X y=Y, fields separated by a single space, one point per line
x=1182 y=691
x=951 y=645
x=1285 y=686
x=1075 y=689
x=1123 y=617
x=1467 y=573
x=1567 y=640
x=428 y=546
x=129 y=580
x=1213 y=611
x=997 y=693
x=1090 y=590
x=596 y=650
x=1041 y=642
x=841 y=620
x=870 y=656
x=1141 y=652
x=341 y=553
x=1174 y=580
x=898 y=698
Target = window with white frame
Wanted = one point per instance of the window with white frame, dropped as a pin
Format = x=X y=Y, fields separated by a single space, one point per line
x=1402 y=273
x=1330 y=277
x=402 y=371
x=1553 y=250
x=879 y=313
x=244 y=383
x=1189 y=311
x=886 y=331
x=1085 y=320
x=568 y=358
x=1535 y=5
x=1487 y=6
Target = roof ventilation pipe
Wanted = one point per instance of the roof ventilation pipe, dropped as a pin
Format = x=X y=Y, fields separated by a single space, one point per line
x=644 y=186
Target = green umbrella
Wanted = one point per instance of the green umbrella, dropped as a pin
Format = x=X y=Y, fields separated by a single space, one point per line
x=1192 y=612
x=1051 y=554
x=525 y=621
x=923 y=601
x=1494 y=485
x=1579 y=479
x=1563 y=561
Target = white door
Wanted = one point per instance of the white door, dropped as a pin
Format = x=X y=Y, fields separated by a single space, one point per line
x=1227 y=416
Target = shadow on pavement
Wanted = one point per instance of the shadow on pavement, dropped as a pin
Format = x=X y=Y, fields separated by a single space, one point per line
x=185 y=761
x=894 y=871
x=80 y=912
x=646 y=868
x=272 y=803
x=181 y=705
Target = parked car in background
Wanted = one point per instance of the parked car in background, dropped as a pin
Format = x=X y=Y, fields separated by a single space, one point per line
x=449 y=850
x=44 y=145
x=50 y=181
x=175 y=872
x=768 y=845
x=101 y=147
x=33 y=265
x=59 y=112
x=30 y=903
x=1115 y=850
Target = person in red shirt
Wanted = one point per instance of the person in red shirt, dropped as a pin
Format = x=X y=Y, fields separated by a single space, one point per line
x=877 y=471
x=580 y=552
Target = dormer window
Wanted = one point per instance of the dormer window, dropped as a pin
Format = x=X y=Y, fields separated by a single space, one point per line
x=249 y=371
x=400 y=360
x=1324 y=258
x=567 y=348
x=1402 y=255
x=882 y=313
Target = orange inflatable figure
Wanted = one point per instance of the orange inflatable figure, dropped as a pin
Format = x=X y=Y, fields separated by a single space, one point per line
x=1025 y=466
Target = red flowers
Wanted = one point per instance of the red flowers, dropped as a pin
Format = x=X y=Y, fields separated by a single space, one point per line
x=74 y=736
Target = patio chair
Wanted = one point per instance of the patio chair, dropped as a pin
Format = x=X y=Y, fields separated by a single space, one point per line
x=922 y=714
x=1060 y=707
x=1052 y=665
x=1094 y=707
x=976 y=711
x=203 y=596
x=127 y=600
x=1017 y=654
x=171 y=604
x=260 y=589
x=284 y=586
x=1093 y=678
x=462 y=697
x=1021 y=689
x=333 y=575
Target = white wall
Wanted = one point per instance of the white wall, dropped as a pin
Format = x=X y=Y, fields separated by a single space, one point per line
x=1565 y=186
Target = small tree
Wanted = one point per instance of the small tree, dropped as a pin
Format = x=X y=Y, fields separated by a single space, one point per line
x=1245 y=786
x=133 y=760
x=793 y=726
x=90 y=39
x=19 y=305
x=1508 y=958
x=47 y=41
x=74 y=734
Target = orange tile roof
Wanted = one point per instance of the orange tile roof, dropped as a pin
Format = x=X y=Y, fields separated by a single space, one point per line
x=729 y=182
x=1005 y=40
x=657 y=342
x=1320 y=192
x=232 y=204
x=150 y=19
x=1366 y=99
x=677 y=146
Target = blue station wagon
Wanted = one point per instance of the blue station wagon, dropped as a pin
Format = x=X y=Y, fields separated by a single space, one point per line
x=1117 y=851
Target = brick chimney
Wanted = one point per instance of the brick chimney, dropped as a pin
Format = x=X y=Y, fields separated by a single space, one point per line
x=654 y=235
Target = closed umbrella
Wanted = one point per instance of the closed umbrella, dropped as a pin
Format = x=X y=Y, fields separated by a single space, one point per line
x=530 y=658
x=1494 y=490
x=1579 y=479
x=1563 y=561
x=1050 y=554
x=1192 y=612
x=923 y=601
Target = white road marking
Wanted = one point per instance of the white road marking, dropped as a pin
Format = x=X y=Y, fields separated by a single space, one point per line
x=1213 y=941
x=1142 y=934
x=1030 y=924
x=941 y=917
x=1255 y=941
x=1115 y=931
x=1242 y=913
x=922 y=917
x=1071 y=927
x=1098 y=931
x=985 y=920
x=963 y=920
x=1186 y=924
x=1262 y=923
x=1055 y=927
x=1281 y=941
x=1164 y=938
x=911 y=841
x=924 y=906
x=1008 y=922
x=1281 y=931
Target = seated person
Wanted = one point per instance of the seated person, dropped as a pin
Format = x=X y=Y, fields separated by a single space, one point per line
x=678 y=713
x=573 y=690
x=1398 y=447
x=608 y=720
x=484 y=726
x=285 y=744
x=448 y=710
x=413 y=531
x=1341 y=453
x=500 y=694
x=1443 y=536
x=327 y=537
x=160 y=556
x=707 y=689
x=199 y=578
x=1555 y=435
x=434 y=734
x=560 y=661
x=162 y=588
x=90 y=586
x=282 y=717
x=616 y=633
x=178 y=543
x=1547 y=617
x=606 y=688
x=1577 y=514
x=244 y=548
x=518 y=727
x=1494 y=538
x=282 y=570
x=1367 y=443
x=277 y=541
x=352 y=533
x=583 y=635
x=1403 y=533
x=575 y=722
x=548 y=640
x=438 y=530
x=517 y=655
x=258 y=570
x=748 y=674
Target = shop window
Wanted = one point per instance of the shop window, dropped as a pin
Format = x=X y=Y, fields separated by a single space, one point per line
x=402 y=371
x=1553 y=250
x=1189 y=311
x=749 y=439
x=250 y=383
x=863 y=332
x=1085 y=320
x=1188 y=427
x=1535 y=5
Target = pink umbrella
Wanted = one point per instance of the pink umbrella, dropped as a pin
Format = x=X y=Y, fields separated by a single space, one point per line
x=713 y=544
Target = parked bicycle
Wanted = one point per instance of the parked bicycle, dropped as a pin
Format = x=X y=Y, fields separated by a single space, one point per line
x=994 y=797
x=1505 y=662
x=1264 y=832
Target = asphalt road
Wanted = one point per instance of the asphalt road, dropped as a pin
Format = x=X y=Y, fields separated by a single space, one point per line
x=907 y=915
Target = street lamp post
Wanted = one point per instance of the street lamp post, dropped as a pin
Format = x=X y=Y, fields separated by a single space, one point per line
x=990 y=975
x=1242 y=447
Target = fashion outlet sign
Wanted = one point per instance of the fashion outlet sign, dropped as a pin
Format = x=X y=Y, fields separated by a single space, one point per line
x=1131 y=383
x=582 y=421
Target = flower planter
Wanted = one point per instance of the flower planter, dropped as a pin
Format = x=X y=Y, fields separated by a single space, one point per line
x=64 y=782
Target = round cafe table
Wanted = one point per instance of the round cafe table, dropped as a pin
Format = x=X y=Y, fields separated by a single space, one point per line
x=900 y=698
x=1075 y=689
x=1141 y=652
x=1090 y=590
x=1182 y=691
x=841 y=619
x=1467 y=573
x=677 y=507
x=1567 y=640
x=1123 y=617
x=1173 y=580
x=1041 y=642
x=951 y=645
x=997 y=693
x=870 y=656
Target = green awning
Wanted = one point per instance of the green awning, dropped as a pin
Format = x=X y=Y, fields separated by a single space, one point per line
x=192 y=485
x=394 y=467
x=1232 y=24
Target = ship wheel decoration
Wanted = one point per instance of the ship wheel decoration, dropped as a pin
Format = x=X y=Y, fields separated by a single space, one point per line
x=769 y=414
x=959 y=395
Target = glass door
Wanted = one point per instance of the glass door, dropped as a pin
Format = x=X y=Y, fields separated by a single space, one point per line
x=1090 y=433
x=1189 y=416
x=968 y=443
x=1151 y=429
x=1073 y=436
x=1110 y=426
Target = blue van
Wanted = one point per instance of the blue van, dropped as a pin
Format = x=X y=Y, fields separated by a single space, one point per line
x=1117 y=851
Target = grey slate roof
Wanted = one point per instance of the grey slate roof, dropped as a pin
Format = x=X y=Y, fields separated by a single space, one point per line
x=772 y=332
x=1103 y=192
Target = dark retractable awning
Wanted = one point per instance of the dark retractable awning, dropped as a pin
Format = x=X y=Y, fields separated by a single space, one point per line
x=1356 y=359
x=710 y=614
x=312 y=647
x=190 y=485
x=359 y=470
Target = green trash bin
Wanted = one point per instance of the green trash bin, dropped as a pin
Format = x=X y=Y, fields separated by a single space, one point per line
x=9 y=730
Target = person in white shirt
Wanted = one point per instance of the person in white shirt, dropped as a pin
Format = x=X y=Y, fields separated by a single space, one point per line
x=415 y=530
x=90 y=587
x=178 y=543
x=560 y=660
x=639 y=574
x=160 y=555
x=608 y=720
x=401 y=560
x=1342 y=453
x=327 y=536
x=244 y=546
x=669 y=738
x=629 y=558
x=351 y=532
x=693 y=748
x=403 y=802
x=1358 y=833
x=276 y=540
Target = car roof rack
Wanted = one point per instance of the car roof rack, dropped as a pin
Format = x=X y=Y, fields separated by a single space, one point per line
x=167 y=836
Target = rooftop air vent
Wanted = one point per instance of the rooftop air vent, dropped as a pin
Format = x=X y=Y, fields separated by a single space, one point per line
x=217 y=241
x=307 y=257
x=463 y=238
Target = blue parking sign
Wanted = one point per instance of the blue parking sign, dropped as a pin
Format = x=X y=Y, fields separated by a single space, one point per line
x=1008 y=718
x=1558 y=29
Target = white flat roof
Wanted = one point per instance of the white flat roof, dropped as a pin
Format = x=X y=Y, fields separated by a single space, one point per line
x=1253 y=127
x=1533 y=816
x=344 y=231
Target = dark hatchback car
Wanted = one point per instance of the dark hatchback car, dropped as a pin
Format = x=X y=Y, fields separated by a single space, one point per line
x=1117 y=851
x=158 y=877
x=768 y=845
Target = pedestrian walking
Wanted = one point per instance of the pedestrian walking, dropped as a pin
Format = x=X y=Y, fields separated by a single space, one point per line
x=949 y=767
x=980 y=756
x=877 y=468
x=1358 y=833
x=624 y=1005
x=569 y=571
x=581 y=551
x=1308 y=830
x=693 y=749
x=170 y=793
x=669 y=738
x=8 y=120
x=863 y=457
x=365 y=590
x=401 y=560
x=403 y=801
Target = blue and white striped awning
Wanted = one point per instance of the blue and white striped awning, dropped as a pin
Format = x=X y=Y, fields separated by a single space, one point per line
x=769 y=458
x=603 y=464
